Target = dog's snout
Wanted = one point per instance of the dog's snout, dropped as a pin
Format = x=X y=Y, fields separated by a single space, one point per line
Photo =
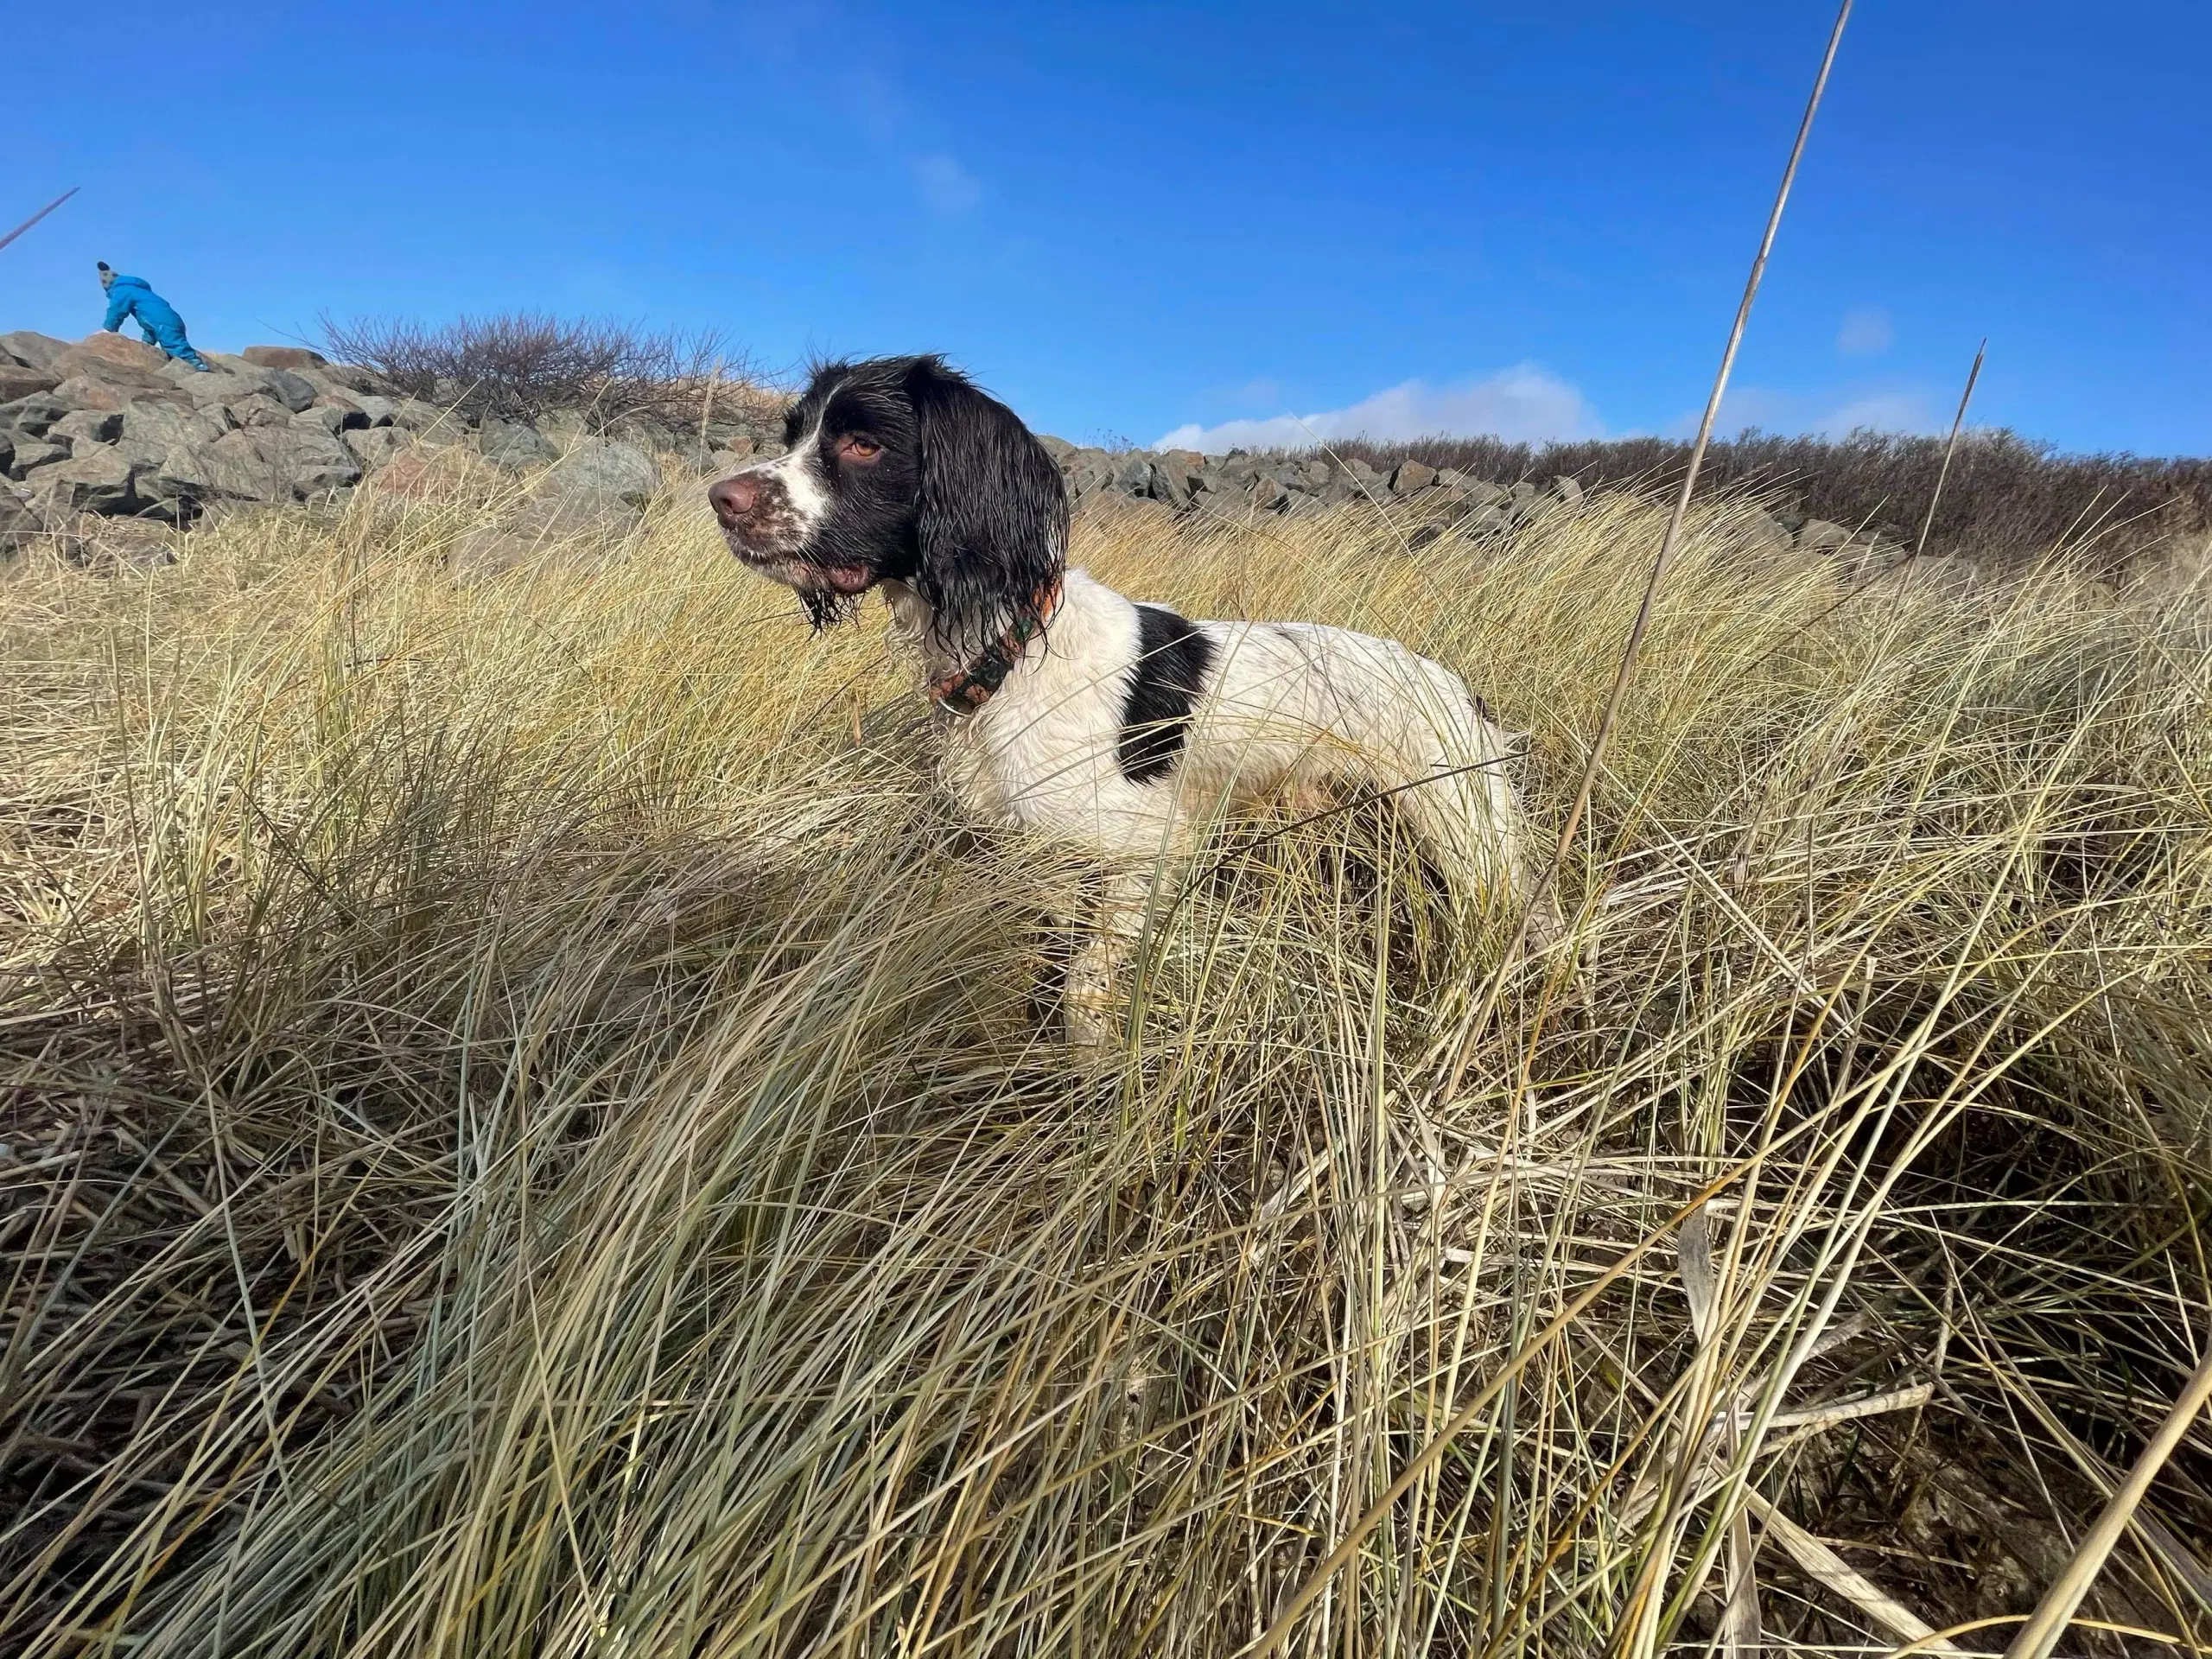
x=733 y=499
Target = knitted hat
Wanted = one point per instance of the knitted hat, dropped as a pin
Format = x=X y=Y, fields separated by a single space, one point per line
x=107 y=272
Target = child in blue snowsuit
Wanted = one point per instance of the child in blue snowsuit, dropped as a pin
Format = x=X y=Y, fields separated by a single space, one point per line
x=131 y=296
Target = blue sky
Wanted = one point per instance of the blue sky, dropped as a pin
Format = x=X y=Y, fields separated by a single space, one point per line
x=1139 y=220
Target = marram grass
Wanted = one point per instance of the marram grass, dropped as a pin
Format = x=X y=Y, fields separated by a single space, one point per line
x=530 y=1131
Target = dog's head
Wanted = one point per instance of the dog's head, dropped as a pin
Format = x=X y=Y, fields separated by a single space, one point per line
x=898 y=469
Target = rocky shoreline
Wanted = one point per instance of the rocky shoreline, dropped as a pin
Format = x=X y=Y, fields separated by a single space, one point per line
x=104 y=434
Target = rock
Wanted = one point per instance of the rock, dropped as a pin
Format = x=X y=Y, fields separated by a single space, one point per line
x=17 y=380
x=1059 y=448
x=97 y=482
x=233 y=467
x=1760 y=535
x=210 y=392
x=87 y=426
x=1267 y=493
x=308 y=460
x=513 y=445
x=1133 y=474
x=1411 y=476
x=418 y=415
x=283 y=357
x=1316 y=475
x=1568 y=490
x=111 y=357
x=19 y=524
x=351 y=415
x=1819 y=535
x=30 y=452
x=323 y=417
x=433 y=472
x=1172 y=480
x=85 y=392
x=378 y=410
x=606 y=469
x=1483 y=493
x=180 y=475
x=294 y=391
x=34 y=414
x=375 y=446
x=258 y=409
x=31 y=349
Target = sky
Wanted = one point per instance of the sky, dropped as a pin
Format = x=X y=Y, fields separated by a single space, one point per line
x=1210 y=224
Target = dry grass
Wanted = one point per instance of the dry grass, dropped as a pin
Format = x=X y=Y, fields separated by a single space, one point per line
x=527 y=1135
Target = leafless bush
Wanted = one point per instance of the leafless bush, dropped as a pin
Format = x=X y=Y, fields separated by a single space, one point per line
x=523 y=365
x=2007 y=495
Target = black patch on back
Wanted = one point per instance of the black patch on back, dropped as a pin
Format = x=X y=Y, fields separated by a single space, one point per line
x=1172 y=657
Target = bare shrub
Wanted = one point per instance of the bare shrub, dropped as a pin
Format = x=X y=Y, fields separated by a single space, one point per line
x=525 y=365
x=2007 y=497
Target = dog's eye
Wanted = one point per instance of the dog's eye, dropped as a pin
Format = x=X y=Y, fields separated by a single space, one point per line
x=854 y=446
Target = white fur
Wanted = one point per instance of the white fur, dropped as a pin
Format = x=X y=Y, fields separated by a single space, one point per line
x=1284 y=704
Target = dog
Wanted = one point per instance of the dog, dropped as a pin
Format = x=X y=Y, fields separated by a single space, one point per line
x=1071 y=712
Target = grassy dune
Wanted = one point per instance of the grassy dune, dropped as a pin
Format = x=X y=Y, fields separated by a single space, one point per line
x=528 y=1132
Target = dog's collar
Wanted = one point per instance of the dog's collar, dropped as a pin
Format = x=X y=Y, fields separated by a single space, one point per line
x=968 y=689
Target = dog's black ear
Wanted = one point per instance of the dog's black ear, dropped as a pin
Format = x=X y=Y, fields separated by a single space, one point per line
x=992 y=523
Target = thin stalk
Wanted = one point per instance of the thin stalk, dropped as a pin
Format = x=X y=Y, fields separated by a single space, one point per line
x=41 y=213
x=1951 y=448
x=2052 y=1615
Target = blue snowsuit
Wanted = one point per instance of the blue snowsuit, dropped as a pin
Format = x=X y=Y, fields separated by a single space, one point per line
x=131 y=296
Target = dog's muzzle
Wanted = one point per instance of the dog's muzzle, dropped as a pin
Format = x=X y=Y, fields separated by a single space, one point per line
x=765 y=530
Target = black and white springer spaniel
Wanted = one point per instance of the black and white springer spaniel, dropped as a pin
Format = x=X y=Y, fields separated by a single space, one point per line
x=1070 y=711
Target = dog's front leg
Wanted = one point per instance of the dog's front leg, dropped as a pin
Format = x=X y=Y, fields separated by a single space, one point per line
x=1095 y=1001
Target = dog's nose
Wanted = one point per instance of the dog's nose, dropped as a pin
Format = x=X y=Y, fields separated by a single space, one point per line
x=734 y=498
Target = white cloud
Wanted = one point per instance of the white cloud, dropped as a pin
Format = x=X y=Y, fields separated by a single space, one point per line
x=947 y=187
x=1524 y=403
x=1866 y=333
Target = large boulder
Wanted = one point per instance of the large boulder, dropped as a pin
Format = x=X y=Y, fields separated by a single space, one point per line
x=233 y=468
x=30 y=349
x=182 y=475
x=80 y=427
x=157 y=427
x=294 y=391
x=605 y=470
x=1172 y=478
x=16 y=380
x=36 y=413
x=111 y=357
x=284 y=357
x=307 y=461
x=257 y=408
x=1411 y=476
x=513 y=445
x=19 y=524
x=96 y=481
x=374 y=446
x=30 y=453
